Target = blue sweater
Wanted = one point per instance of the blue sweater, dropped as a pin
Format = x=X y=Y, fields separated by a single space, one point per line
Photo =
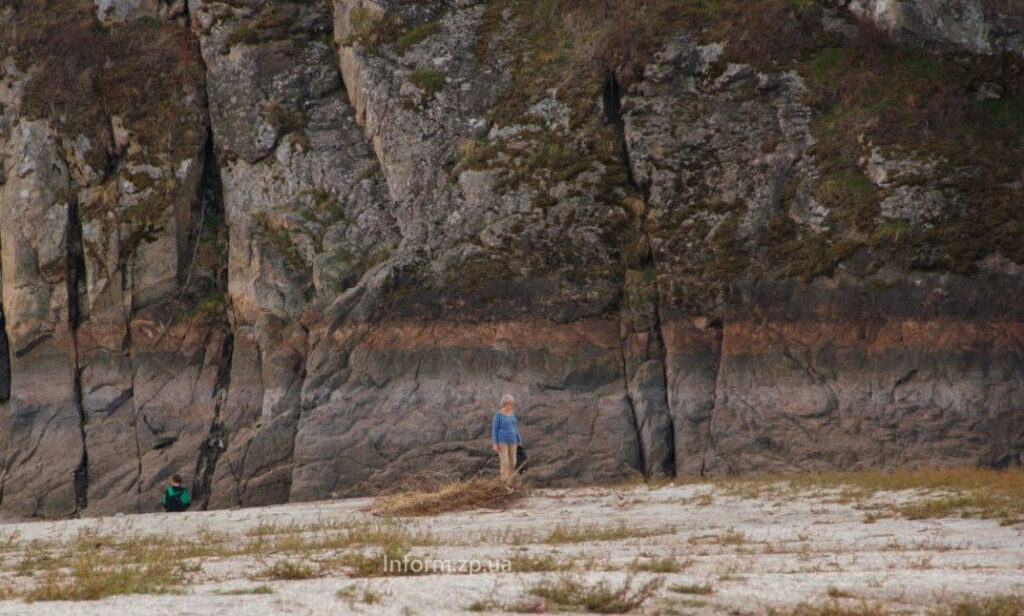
x=504 y=430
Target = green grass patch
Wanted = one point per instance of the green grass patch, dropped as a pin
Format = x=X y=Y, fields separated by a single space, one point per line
x=578 y=533
x=427 y=80
x=849 y=192
x=416 y=35
x=92 y=564
x=692 y=589
x=664 y=564
x=268 y=24
x=827 y=66
x=872 y=90
x=262 y=589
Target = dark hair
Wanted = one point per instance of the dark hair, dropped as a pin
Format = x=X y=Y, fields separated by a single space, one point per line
x=175 y=478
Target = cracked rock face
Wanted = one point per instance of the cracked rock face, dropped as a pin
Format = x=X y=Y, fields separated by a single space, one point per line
x=307 y=212
x=103 y=354
x=299 y=250
x=41 y=416
x=977 y=26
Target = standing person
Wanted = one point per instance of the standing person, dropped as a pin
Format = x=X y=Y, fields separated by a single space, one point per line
x=176 y=497
x=505 y=437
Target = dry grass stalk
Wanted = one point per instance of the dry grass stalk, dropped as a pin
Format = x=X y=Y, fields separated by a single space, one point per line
x=447 y=494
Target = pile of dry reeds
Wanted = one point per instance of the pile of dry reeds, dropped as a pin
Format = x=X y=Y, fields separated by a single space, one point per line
x=432 y=493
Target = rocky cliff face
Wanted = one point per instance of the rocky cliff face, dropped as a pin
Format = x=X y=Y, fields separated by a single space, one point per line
x=296 y=250
x=978 y=26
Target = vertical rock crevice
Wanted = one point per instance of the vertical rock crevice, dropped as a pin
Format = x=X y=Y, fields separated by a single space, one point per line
x=75 y=279
x=5 y=361
x=643 y=345
x=641 y=450
x=611 y=100
x=214 y=445
x=202 y=226
x=204 y=233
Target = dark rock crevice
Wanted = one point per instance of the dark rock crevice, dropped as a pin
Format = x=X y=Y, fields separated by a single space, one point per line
x=32 y=345
x=75 y=280
x=198 y=216
x=612 y=106
x=202 y=226
x=5 y=361
x=129 y=350
x=632 y=410
x=644 y=358
x=657 y=352
x=215 y=444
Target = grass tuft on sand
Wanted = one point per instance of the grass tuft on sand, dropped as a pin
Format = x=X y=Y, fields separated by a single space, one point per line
x=570 y=594
x=964 y=492
x=833 y=608
x=998 y=605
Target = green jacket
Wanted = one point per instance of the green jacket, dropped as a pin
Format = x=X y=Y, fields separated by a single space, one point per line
x=175 y=499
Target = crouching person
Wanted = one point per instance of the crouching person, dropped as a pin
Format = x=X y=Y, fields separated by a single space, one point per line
x=176 y=497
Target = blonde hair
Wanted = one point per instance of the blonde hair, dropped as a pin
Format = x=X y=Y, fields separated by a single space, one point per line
x=507 y=398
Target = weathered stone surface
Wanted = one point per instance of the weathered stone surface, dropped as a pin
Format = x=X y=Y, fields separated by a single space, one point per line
x=693 y=350
x=139 y=234
x=643 y=351
x=41 y=435
x=122 y=10
x=977 y=26
x=119 y=218
x=868 y=368
x=423 y=107
x=714 y=155
x=295 y=250
x=307 y=212
x=862 y=390
x=438 y=383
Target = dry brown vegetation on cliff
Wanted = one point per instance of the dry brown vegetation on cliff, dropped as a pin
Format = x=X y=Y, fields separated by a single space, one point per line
x=865 y=91
x=88 y=71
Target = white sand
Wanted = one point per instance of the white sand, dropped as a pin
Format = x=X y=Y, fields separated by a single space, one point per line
x=793 y=549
